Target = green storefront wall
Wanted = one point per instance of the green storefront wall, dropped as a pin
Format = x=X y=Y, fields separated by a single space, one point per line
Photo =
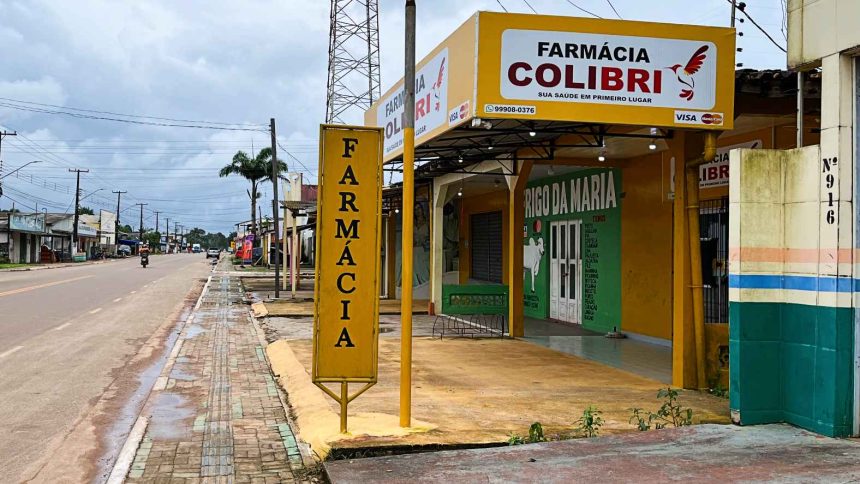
x=792 y=363
x=594 y=197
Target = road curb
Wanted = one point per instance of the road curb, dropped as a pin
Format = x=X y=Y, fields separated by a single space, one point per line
x=164 y=376
x=129 y=449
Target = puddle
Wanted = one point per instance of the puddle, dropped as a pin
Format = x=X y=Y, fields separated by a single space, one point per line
x=193 y=330
x=178 y=374
x=116 y=435
x=171 y=417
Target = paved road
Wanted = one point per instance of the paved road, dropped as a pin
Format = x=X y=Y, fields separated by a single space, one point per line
x=77 y=346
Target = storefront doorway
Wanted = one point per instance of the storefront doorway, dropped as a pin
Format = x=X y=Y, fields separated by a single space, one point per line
x=565 y=302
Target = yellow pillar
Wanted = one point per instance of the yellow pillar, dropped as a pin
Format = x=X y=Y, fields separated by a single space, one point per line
x=406 y=278
x=516 y=219
x=682 y=147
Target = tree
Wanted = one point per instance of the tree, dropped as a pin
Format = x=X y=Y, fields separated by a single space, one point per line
x=153 y=239
x=256 y=170
x=85 y=210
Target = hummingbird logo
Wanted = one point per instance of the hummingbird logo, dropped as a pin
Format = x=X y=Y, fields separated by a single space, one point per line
x=685 y=73
x=437 y=86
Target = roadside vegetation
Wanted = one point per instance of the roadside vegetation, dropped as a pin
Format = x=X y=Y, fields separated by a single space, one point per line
x=670 y=414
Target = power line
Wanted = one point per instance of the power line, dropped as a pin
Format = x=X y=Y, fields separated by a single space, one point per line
x=132 y=115
x=614 y=10
x=743 y=11
x=530 y=6
x=119 y=120
x=307 y=170
x=584 y=10
x=500 y=4
x=54 y=158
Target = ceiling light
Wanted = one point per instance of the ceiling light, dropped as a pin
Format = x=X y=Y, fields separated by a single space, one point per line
x=459 y=192
x=396 y=210
x=532 y=134
x=601 y=156
x=460 y=159
x=652 y=145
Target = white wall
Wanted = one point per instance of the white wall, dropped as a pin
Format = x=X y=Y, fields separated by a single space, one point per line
x=819 y=28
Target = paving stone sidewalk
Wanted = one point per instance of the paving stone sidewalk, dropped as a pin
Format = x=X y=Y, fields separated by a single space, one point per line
x=218 y=417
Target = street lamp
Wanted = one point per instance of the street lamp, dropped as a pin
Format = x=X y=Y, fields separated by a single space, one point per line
x=91 y=193
x=22 y=166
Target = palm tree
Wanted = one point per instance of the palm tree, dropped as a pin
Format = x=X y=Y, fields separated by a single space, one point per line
x=256 y=170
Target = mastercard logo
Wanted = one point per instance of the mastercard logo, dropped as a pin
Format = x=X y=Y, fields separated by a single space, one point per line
x=464 y=110
x=709 y=118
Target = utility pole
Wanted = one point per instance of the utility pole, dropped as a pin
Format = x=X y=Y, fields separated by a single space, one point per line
x=2 y=134
x=275 y=207
x=156 y=230
x=78 y=172
x=734 y=7
x=167 y=235
x=406 y=268
x=116 y=222
x=140 y=237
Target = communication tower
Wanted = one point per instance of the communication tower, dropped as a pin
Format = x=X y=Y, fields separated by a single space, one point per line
x=353 y=60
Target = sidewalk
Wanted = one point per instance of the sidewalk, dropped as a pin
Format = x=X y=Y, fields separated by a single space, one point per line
x=216 y=412
x=465 y=391
x=701 y=453
x=55 y=265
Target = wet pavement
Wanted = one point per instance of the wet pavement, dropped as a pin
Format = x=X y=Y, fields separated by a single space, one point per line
x=217 y=415
x=702 y=453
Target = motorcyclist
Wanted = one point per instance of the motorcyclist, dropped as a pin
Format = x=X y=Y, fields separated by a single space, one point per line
x=144 y=255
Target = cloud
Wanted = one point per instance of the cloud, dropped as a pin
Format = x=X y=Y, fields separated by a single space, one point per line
x=213 y=60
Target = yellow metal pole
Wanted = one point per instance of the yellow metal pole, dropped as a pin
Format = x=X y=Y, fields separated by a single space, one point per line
x=285 y=249
x=295 y=258
x=692 y=176
x=344 y=401
x=408 y=206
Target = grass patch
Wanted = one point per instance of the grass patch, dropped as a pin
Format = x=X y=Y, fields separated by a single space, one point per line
x=13 y=266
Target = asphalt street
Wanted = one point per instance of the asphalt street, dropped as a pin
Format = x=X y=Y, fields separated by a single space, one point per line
x=75 y=346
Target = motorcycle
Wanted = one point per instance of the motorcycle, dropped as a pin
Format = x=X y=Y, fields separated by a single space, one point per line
x=144 y=259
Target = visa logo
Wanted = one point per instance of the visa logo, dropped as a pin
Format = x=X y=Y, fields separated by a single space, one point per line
x=699 y=118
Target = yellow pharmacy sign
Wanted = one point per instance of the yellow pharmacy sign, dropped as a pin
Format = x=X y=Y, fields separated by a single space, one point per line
x=568 y=69
x=605 y=71
x=349 y=206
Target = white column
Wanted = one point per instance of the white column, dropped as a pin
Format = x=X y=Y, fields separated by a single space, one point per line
x=437 y=243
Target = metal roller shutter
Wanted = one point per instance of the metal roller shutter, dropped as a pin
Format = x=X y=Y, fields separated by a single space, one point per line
x=486 y=234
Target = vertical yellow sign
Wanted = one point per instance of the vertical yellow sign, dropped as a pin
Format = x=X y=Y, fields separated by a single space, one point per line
x=349 y=206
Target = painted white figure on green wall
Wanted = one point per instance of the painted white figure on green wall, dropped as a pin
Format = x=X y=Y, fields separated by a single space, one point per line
x=532 y=255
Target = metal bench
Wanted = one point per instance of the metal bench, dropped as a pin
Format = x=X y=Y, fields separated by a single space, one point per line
x=472 y=310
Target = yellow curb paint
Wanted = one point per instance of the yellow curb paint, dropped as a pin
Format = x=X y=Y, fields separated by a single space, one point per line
x=318 y=424
x=40 y=286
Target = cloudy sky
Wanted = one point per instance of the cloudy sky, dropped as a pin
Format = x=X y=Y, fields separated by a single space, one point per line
x=222 y=61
